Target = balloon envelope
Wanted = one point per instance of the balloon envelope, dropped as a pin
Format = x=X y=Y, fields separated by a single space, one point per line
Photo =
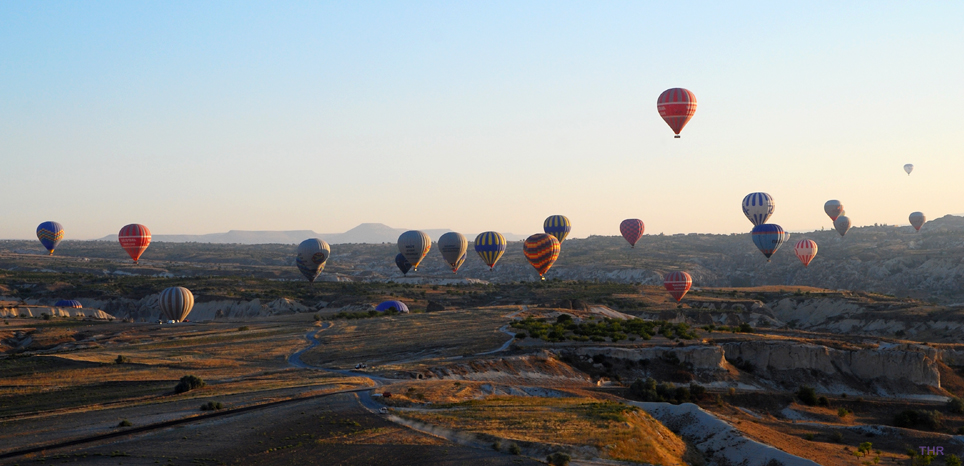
x=909 y=168
x=50 y=234
x=805 y=250
x=402 y=264
x=389 y=305
x=758 y=207
x=414 y=245
x=833 y=208
x=490 y=246
x=558 y=226
x=68 y=303
x=311 y=257
x=632 y=229
x=453 y=245
x=677 y=283
x=768 y=238
x=917 y=219
x=842 y=224
x=176 y=303
x=541 y=250
x=677 y=107
x=135 y=239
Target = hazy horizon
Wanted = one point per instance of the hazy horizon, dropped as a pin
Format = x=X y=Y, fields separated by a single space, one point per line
x=203 y=118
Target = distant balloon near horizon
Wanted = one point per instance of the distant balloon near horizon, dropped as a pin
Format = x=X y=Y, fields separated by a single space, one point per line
x=677 y=283
x=806 y=250
x=768 y=238
x=392 y=304
x=909 y=168
x=758 y=207
x=72 y=303
x=176 y=303
x=676 y=106
x=558 y=226
x=134 y=238
x=842 y=224
x=632 y=229
x=311 y=257
x=541 y=250
x=490 y=246
x=833 y=208
x=414 y=245
x=453 y=245
x=402 y=263
x=50 y=234
x=917 y=219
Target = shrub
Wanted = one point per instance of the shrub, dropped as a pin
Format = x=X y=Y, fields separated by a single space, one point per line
x=515 y=449
x=497 y=445
x=121 y=359
x=45 y=316
x=125 y=423
x=823 y=401
x=808 y=436
x=955 y=405
x=564 y=318
x=745 y=328
x=952 y=460
x=212 y=406
x=188 y=383
x=807 y=395
x=837 y=436
x=317 y=317
x=697 y=391
x=865 y=447
x=558 y=459
x=731 y=391
x=243 y=328
x=921 y=420
x=842 y=412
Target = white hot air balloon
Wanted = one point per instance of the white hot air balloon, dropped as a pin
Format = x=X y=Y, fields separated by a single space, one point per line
x=176 y=303
x=917 y=219
x=453 y=245
x=758 y=207
x=909 y=168
x=414 y=245
x=311 y=257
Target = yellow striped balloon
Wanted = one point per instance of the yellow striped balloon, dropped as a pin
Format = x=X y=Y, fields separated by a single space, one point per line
x=490 y=246
x=558 y=226
x=541 y=250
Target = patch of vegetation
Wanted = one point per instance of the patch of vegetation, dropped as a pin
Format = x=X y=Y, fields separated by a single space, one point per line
x=125 y=423
x=823 y=401
x=600 y=329
x=650 y=391
x=364 y=315
x=212 y=406
x=558 y=459
x=515 y=449
x=188 y=383
x=807 y=395
x=244 y=328
x=121 y=359
x=843 y=412
x=956 y=405
x=919 y=419
x=606 y=411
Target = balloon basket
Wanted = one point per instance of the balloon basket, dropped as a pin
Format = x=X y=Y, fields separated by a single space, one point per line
x=676 y=137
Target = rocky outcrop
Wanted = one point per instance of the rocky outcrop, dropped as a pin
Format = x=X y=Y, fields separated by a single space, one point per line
x=147 y=309
x=700 y=358
x=900 y=363
x=39 y=311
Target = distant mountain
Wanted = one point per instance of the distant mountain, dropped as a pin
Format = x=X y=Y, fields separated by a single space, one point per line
x=366 y=233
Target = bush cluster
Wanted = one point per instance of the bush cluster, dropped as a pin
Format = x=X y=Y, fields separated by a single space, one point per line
x=955 y=405
x=364 y=315
x=598 y=330
x=558 y=459
x=919 y=419
x=188 y=383
x=121 y=359
x=212 y=406
x=807 y=395
x=649 y=390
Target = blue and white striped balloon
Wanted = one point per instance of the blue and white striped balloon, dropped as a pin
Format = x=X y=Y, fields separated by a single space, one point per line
x=758 y=207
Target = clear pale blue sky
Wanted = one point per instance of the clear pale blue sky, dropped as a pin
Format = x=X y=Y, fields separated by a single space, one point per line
x=200 y=117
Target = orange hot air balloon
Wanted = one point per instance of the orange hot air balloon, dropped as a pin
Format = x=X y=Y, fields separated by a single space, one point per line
x=677 y=283
x=542 y=250
x=676 y=106
x=806 y=250
x=135 y=239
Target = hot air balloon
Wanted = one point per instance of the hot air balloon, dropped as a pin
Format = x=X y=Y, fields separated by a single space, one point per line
x=632 y=229
x=453 y=245
x=460 y=262
x=403 y=264
x=842 y=224
x=917 y=219
x=414 y=245
x=68 y=303
x=833 y=208
x=558 y=226
x=805 y=250
x=677 y=283
x=758 y=207
x=311 y=257
x=490 y=246
x=176 y=303
x=541 y=250
x=676 y=106
x=909 y=168
x=391 y=305
x=135 y=239
x=50 y=234
x=768 y=238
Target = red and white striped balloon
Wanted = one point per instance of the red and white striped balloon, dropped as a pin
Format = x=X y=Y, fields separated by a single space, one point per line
x=677 y=283
x=806 y=250
x=677 y=107
x=135 y=239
